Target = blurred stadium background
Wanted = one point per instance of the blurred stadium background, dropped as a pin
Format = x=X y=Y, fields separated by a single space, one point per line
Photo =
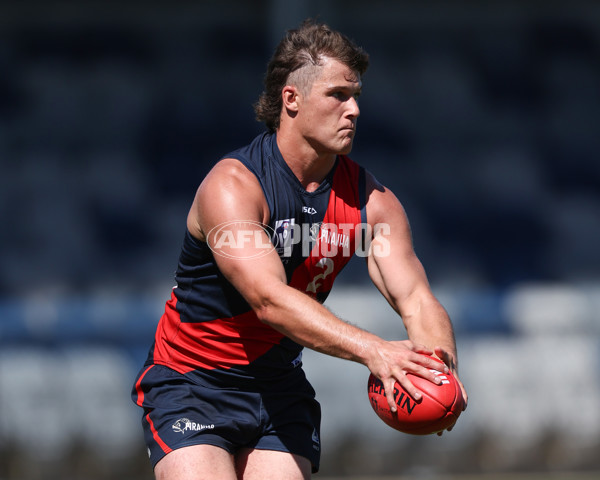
x=481 y=116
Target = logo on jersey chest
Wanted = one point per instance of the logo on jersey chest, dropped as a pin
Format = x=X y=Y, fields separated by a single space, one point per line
x=330 y=239
x=283 y=236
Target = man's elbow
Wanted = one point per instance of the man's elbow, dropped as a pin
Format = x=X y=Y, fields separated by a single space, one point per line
x=265 y=306
x=264 y=312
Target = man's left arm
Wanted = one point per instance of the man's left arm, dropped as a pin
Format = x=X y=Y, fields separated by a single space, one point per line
x=399 y=275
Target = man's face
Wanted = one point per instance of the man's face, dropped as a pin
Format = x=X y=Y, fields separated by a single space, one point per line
x=329 y=110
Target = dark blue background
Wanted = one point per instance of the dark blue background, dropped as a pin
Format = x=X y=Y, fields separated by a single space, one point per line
x=481 y=116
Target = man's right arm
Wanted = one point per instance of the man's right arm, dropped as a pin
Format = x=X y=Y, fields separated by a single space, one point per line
x=231 y=194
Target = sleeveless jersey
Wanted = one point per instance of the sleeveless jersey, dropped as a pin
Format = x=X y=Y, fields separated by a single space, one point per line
x=207 y=327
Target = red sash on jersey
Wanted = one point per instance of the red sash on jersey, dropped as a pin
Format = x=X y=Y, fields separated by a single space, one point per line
x=228 y=342
x=336 y=239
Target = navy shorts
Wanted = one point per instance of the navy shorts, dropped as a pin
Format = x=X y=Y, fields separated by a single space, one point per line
x=183 y=410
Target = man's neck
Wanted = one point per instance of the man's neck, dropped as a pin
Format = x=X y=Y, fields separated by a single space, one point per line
x=304 y=161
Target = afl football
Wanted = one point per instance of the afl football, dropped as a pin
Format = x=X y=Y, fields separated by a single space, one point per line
x=438 y=409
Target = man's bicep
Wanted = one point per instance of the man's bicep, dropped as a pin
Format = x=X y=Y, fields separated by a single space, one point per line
x=398 y=274
x=230 y=213
x=251 y=264
x=393 y=264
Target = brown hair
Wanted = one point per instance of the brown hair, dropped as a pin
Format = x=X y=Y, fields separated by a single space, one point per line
x=303 y=46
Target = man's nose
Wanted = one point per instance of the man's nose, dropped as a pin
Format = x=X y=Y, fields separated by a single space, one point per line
x=353 y=109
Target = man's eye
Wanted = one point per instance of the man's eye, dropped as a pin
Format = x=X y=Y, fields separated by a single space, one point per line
x=343 y=96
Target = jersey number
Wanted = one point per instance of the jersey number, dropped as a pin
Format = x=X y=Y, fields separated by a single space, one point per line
x=327 y=264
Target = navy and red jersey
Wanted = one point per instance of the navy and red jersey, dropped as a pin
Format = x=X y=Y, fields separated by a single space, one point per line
x=207 y=327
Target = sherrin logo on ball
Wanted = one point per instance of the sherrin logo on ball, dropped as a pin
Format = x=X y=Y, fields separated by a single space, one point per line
x=438 y=409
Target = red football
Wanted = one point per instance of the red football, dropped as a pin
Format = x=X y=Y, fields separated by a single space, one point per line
x=438 y=409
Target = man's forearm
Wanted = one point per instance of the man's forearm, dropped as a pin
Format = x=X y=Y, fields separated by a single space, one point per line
x=310 y=324
x=430 y=325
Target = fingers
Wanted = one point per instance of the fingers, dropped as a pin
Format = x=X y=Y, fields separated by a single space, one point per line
x=449 y=429
x=445 y=357
x=407 y=357
x=417 y=362
x=448 y=360
x=391 y=390
x=422 y=349
x=421 y=355
x=410 y=388
x=422 y=366
x=464 y=394
x=419 y=371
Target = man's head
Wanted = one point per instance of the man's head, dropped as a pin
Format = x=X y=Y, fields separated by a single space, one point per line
x=297 y=61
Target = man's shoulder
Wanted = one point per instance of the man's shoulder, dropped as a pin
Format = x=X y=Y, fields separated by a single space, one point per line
x=251 y=150
x=230 y=170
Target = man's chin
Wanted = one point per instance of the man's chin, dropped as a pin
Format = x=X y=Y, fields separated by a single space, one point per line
x=346 y=149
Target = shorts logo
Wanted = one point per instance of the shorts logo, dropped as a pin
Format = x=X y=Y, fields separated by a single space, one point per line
x=184 y=425
x=315 y=439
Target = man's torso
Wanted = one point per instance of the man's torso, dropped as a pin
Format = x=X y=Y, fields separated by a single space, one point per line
x=208 y=328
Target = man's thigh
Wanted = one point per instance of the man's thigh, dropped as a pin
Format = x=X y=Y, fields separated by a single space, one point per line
x=254 y=464
x=196 y=462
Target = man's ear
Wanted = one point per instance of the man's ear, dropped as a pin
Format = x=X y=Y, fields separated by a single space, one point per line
x=289 y=96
